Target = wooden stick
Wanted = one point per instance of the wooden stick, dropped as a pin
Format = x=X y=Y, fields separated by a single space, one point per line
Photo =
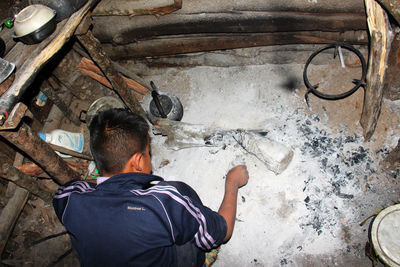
x=101 y=79
x=98 y=55
x=381 y=38
x=10 y=213
x=29 y=142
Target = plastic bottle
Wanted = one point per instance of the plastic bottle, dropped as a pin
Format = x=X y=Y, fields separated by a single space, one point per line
x=69 y=140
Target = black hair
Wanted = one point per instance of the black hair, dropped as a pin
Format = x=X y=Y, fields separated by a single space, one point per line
x=115 y=136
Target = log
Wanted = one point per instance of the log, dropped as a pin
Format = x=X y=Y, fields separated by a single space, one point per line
x=136 y=7
x=10 y=214
x=41 y=152
x=173 y=45
x=127 y=30
x=15 y=204
x=31 y=169
x=93 y=46
x=237 y=6
x=381 y=38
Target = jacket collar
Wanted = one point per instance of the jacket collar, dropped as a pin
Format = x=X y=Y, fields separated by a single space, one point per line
x=140 y=179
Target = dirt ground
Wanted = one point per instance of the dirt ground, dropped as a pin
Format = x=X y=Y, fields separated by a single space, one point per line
x=307 y=216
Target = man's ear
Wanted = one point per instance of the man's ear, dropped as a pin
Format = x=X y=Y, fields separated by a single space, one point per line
x=133 y=164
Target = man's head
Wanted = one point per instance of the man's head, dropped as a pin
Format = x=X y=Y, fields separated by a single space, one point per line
x=119 y=142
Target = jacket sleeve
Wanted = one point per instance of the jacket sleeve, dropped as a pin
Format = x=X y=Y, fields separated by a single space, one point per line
x=61 y=197
x=187 y=218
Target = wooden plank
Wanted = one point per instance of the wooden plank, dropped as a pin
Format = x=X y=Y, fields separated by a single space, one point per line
x=381 y=38
x=174 y=45
x=128 y=30
x=136 y=7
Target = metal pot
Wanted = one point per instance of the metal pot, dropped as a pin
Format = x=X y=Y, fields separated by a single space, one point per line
x=162 y=105
x=64 y=8
x=101 y=104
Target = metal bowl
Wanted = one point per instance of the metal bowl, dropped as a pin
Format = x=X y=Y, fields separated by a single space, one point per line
x=34 y=23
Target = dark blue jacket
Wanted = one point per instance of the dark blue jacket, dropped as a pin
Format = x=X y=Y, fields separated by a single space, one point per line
x=125 y=221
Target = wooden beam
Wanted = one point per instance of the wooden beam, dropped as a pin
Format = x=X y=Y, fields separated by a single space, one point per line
x=41 y=152
x=381 y=38
x=136 y=7
x=173 y=45
x=10 y=214
x=127 y=30
x=96 y=52
x=15 y=204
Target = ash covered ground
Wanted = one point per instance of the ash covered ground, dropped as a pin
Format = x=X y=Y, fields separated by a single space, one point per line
x=310 y=214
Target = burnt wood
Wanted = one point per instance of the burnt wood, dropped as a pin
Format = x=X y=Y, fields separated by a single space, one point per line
x=127 y=30
x=173 y=45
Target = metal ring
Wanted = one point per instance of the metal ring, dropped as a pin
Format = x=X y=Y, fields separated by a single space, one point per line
x=358 y=83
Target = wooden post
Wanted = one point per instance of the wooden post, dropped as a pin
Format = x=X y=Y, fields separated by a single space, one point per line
x=10 y=213
x=98 y=55
x=381 y=38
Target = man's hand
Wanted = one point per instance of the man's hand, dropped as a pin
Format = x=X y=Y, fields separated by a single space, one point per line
x=238 y=176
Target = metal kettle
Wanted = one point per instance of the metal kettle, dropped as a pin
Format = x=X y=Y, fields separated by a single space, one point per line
x=162 y=105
